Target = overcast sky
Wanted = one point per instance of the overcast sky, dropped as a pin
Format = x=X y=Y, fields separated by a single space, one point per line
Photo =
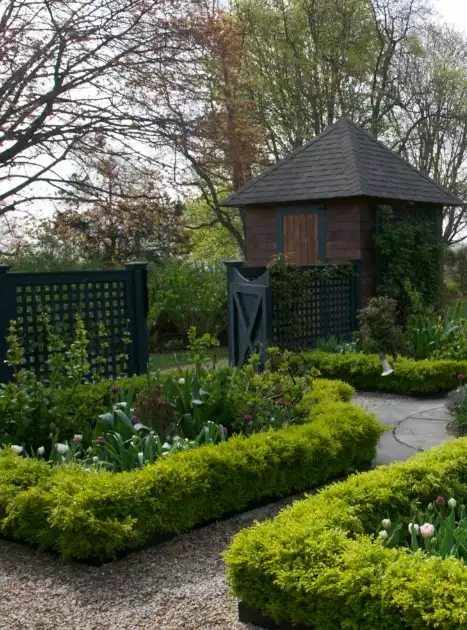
x=454 y=11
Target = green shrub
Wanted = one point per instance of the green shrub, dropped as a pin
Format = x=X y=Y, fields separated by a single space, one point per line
x=318 y=562
x=325 y=391
x=188 y=294
x=452 y=290
x=378 y=329
x=363 y=371
x=96 y=514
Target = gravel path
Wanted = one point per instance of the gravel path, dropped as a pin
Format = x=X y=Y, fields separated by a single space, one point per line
x=178 y=585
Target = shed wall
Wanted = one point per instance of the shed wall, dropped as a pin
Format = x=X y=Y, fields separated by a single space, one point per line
x=349 y=225
x=260 y=235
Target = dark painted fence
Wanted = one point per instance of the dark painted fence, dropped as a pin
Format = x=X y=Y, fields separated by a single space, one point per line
x=118 y=298
x=256 y=319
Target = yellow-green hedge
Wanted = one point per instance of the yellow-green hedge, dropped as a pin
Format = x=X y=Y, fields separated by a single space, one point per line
x=318 y=563
x=363 y=371
x=95 y=515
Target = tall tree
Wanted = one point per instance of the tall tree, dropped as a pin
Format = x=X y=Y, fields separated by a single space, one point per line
x=213 y=133
x=313 y=61
x=63 y=70
x=130 y=219
x=432 y=134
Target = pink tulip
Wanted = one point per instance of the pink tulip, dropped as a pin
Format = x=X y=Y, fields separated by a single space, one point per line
x=427 y=530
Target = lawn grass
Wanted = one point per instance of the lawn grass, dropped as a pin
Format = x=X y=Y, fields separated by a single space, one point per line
x=167 y=360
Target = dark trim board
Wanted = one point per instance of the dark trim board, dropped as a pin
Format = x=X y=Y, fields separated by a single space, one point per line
x=255 y=617
x=288 y=211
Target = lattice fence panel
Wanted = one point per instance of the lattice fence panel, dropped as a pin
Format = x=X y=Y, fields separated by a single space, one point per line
x=320 y=308
x=93 y=302
x=111 y=304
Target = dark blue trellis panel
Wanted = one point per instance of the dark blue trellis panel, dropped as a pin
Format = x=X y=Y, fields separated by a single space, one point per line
x=324 y=307
x=249 y=308
x=117 y=298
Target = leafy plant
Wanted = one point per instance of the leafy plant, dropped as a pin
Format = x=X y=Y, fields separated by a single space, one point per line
x=439 y=530
x=153 y=409
x=124 y=443
x=378 y=329
x=33 y=410
x=456 y=404
x=189 y=294
x=411 y=256
x=198 y=346
x=332 y=344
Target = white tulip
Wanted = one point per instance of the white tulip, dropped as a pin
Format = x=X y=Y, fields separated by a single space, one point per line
x=383 y=534
x=386 y=523
x=181 y=381
x=77 y=438
x=415 y=527
x=95 y=459
x=41 y=451
x=61 y=448
x=138 y=426
x=16 y=449
x=452 y=503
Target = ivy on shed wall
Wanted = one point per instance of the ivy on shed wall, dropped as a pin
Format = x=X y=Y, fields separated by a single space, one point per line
x=410 y=254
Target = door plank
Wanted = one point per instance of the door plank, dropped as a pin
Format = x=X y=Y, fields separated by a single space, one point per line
x=300 y=238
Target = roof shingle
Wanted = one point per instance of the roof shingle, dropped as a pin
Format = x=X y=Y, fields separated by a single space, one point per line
x=343 y=161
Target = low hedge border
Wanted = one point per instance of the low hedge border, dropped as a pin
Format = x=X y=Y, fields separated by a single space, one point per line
x=96 y=515
x=318 y=563
x=363 y=371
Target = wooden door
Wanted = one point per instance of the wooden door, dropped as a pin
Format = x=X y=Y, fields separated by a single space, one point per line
x=301 y=238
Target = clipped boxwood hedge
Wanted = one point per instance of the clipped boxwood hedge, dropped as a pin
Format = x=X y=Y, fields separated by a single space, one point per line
x=318 y=562
x=97 y=515
x=363 y=371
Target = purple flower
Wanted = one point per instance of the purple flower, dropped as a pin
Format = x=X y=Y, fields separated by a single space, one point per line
x=460 y=377
x=280 y=401
x=224 y=430
x=247 y=417
x=115 y=388
x=440 y=501
x=134 y=419
x=289 y=405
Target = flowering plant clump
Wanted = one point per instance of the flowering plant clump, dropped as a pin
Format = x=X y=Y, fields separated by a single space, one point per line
x=456 y=404
x=440 y=530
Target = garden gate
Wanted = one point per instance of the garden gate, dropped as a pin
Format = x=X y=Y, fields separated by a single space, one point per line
x=116 y=298
x=260 y=315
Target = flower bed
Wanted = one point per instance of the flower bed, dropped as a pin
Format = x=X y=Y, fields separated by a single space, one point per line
x=363 y=371
x=320 y=564
x=95 y=515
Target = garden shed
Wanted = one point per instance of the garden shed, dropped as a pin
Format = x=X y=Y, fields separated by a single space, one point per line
x=320 y=203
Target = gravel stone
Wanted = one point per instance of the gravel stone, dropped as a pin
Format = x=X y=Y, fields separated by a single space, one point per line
x=178 y=585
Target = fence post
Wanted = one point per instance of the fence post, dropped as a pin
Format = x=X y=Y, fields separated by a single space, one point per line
x=231 y=265
x=5 y=316
x=138 y=307
x=356 y=299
